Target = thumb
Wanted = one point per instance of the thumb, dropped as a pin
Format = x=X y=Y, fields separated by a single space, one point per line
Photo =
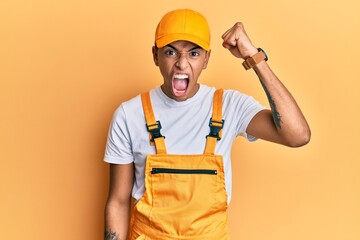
x=228 y=45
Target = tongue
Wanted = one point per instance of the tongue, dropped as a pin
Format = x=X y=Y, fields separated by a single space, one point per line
x=180 y=84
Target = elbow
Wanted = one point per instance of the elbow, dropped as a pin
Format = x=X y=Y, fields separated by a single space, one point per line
x=301 y=138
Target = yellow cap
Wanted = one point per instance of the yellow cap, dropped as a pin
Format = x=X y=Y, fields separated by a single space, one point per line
x=183 y=24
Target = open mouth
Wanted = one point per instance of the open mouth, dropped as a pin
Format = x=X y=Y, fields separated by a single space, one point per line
x=180 y=84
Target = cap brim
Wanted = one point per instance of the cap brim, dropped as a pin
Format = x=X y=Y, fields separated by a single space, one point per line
x=165 y=40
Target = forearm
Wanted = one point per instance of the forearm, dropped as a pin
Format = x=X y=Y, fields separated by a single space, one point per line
x=289 y=121
x=117 y=217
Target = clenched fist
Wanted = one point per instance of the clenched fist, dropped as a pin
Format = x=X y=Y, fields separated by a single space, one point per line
x=237 y=41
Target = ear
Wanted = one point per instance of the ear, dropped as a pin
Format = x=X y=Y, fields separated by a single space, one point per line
x=155 y=55
x=206 y=60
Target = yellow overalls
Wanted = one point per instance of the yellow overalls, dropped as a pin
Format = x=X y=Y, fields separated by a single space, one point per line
x=185 y=196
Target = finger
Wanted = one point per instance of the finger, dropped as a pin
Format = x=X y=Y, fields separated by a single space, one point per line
x=231 y=42
x=226 y=45
x=232 y=38
x=233 y=50
x=226 y=33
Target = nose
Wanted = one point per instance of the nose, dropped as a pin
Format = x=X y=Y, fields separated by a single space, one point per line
x=182 y=61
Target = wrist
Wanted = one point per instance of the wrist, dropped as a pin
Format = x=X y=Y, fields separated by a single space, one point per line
x=251 y=53
x=254 y=59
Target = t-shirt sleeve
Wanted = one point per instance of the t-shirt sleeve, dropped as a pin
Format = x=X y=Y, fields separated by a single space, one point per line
x=252 y=107
x=118 y=147
x=241 y=109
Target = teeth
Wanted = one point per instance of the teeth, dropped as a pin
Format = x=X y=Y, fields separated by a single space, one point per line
x=181 y=76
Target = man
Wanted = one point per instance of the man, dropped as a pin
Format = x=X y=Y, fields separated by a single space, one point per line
x=173 y=157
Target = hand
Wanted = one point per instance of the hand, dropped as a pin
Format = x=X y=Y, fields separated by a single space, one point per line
x=238 y=42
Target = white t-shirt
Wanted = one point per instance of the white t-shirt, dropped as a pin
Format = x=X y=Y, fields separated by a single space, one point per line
x=185 y=126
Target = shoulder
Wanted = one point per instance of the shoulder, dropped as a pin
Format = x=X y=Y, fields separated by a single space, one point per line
x=240 y=106
x=235 y=98
x=206 y=90
x=134 y=105
x=131 y=104
x=231 y=93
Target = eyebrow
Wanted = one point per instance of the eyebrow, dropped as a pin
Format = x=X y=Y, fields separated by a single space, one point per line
x=194 y=48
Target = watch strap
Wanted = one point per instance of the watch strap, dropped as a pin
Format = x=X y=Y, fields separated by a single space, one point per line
x=255 y=59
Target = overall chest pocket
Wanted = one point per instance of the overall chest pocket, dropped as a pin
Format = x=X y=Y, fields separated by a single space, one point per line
x=179 y=187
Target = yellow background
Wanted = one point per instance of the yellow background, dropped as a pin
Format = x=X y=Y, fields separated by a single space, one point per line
x=66 y=65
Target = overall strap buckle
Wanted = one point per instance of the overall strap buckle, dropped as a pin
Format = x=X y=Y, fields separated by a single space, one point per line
x=215 y=128
x=154 y=130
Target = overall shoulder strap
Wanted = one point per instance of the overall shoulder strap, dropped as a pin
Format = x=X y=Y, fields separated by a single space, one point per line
x=216 y=123
x=152 y=125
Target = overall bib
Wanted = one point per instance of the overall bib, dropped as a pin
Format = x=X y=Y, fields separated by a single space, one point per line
x=185 y=196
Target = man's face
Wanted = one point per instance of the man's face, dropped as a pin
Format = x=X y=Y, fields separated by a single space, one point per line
x=180 y=63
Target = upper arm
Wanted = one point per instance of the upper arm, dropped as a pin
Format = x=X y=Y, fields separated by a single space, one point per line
x=121 y=182
x=262 y=126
